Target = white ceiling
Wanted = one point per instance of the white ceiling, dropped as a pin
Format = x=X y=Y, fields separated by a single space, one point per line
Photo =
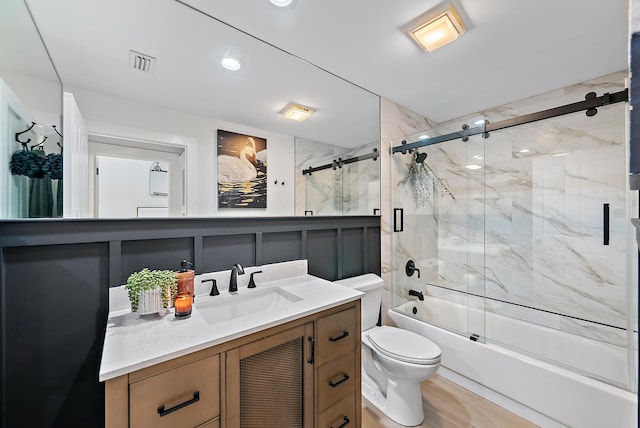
x=512 y=49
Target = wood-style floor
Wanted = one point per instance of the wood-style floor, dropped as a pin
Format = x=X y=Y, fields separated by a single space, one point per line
x=447 y=405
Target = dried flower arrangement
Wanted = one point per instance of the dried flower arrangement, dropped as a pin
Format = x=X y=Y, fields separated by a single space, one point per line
x=423 y=178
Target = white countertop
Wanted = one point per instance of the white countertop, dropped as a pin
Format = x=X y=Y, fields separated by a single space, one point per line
x=133 y=342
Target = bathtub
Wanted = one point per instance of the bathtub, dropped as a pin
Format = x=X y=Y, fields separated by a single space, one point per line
x=546 y=394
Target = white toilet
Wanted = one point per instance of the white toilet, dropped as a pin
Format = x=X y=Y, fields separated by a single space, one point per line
x=394 y=361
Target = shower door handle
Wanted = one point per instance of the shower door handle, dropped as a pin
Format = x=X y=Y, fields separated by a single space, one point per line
x=605 y=224
x=398 y=219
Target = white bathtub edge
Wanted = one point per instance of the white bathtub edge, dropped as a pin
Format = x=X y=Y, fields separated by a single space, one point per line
x=499 y=399
x=551 y=393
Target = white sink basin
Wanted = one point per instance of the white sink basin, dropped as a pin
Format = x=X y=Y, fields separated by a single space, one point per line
x=248 y=302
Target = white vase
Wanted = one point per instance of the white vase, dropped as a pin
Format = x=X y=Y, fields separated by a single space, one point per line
x=150 y=302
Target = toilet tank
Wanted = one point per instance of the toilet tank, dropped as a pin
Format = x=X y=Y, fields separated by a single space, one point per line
x=371 y=285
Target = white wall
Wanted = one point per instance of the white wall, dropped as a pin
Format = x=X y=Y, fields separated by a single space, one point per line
x=119 y=117
x=120 y=194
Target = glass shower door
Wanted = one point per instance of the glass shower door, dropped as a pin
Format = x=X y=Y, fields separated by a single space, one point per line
x=438 y=201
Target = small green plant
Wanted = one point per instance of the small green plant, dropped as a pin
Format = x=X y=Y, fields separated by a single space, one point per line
x=148 y=280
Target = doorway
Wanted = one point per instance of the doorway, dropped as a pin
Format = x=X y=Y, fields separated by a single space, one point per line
x=135 y=178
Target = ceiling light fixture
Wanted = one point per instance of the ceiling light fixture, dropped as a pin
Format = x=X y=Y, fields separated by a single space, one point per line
x=423 y=137
x=281 y=3
x=473 y=166
x=438 y=30
x=297 y=112
x=230 y=64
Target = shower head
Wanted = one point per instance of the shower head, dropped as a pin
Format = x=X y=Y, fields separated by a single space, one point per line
x=420 y=157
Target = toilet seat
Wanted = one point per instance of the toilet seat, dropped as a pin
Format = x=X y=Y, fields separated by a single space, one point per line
x=404 y=345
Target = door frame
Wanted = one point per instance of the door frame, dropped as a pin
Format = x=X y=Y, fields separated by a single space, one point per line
x=119 y=141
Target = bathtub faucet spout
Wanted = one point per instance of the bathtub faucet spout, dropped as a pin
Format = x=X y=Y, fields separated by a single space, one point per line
x=417 y=294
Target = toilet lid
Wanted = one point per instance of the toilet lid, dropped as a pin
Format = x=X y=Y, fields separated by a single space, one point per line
x=404 y=345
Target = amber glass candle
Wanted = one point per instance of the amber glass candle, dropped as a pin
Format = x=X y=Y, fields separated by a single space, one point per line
x=183 y=305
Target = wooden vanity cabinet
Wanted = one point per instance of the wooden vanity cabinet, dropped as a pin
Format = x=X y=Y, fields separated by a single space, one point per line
x=267 y=380
x=184 y=392
x=338 y=382
x=303 y=373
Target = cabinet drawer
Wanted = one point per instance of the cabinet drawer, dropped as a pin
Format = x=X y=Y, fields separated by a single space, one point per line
x=189 y=396
x=336 y=335
x=336 y=379
x=340 y=415
x=211 y=424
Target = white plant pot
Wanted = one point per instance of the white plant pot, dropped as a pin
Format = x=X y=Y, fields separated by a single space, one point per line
x=150 y=302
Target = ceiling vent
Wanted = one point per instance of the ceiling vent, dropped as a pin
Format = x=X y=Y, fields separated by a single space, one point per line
x=141 y=62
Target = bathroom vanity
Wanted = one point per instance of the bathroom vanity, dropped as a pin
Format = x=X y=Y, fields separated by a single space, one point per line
x=290 y=358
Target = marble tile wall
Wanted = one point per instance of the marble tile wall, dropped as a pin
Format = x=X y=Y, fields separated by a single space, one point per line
x=353 y=189
x=526 y=227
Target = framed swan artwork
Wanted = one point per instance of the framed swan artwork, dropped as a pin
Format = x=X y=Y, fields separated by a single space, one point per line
x=242 y=170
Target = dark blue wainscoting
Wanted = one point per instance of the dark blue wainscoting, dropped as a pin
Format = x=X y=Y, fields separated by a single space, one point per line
x=56 y=274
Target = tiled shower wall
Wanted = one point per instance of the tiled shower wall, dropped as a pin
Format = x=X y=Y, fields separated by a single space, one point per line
x=526 y=228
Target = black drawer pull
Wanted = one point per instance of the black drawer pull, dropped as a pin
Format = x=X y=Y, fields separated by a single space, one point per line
x=345 y=422
x=335 y=339
x=163 y=412
x=345 y=377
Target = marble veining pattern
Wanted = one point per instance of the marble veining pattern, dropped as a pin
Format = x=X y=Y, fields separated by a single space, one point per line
x=525 y=228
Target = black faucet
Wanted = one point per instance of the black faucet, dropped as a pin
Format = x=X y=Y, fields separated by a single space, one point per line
x=417 y=294
x=214 y=287
x=252 y=283
x=236 y=270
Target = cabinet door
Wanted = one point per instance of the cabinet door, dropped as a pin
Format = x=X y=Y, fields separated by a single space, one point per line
x=270 y=381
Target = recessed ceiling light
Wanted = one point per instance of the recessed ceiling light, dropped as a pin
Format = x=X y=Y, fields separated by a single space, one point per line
x=297 y=112
x=438 y=30
x=281 y=3
x=230 y=64
x=423 y=137
x=525 y=151
x=473 y=166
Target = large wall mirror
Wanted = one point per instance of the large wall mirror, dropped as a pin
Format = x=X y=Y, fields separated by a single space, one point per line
x=169 y=131
x=30 y=115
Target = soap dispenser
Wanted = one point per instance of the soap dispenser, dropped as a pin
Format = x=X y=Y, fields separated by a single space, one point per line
x=184 y=299
x=185 y=278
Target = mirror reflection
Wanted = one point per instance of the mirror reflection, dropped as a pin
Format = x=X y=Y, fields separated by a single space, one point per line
x=150 y=92
x=30 y=102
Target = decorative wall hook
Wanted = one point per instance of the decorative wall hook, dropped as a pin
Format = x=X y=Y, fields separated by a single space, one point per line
x=26 y=130
x=57 y=132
